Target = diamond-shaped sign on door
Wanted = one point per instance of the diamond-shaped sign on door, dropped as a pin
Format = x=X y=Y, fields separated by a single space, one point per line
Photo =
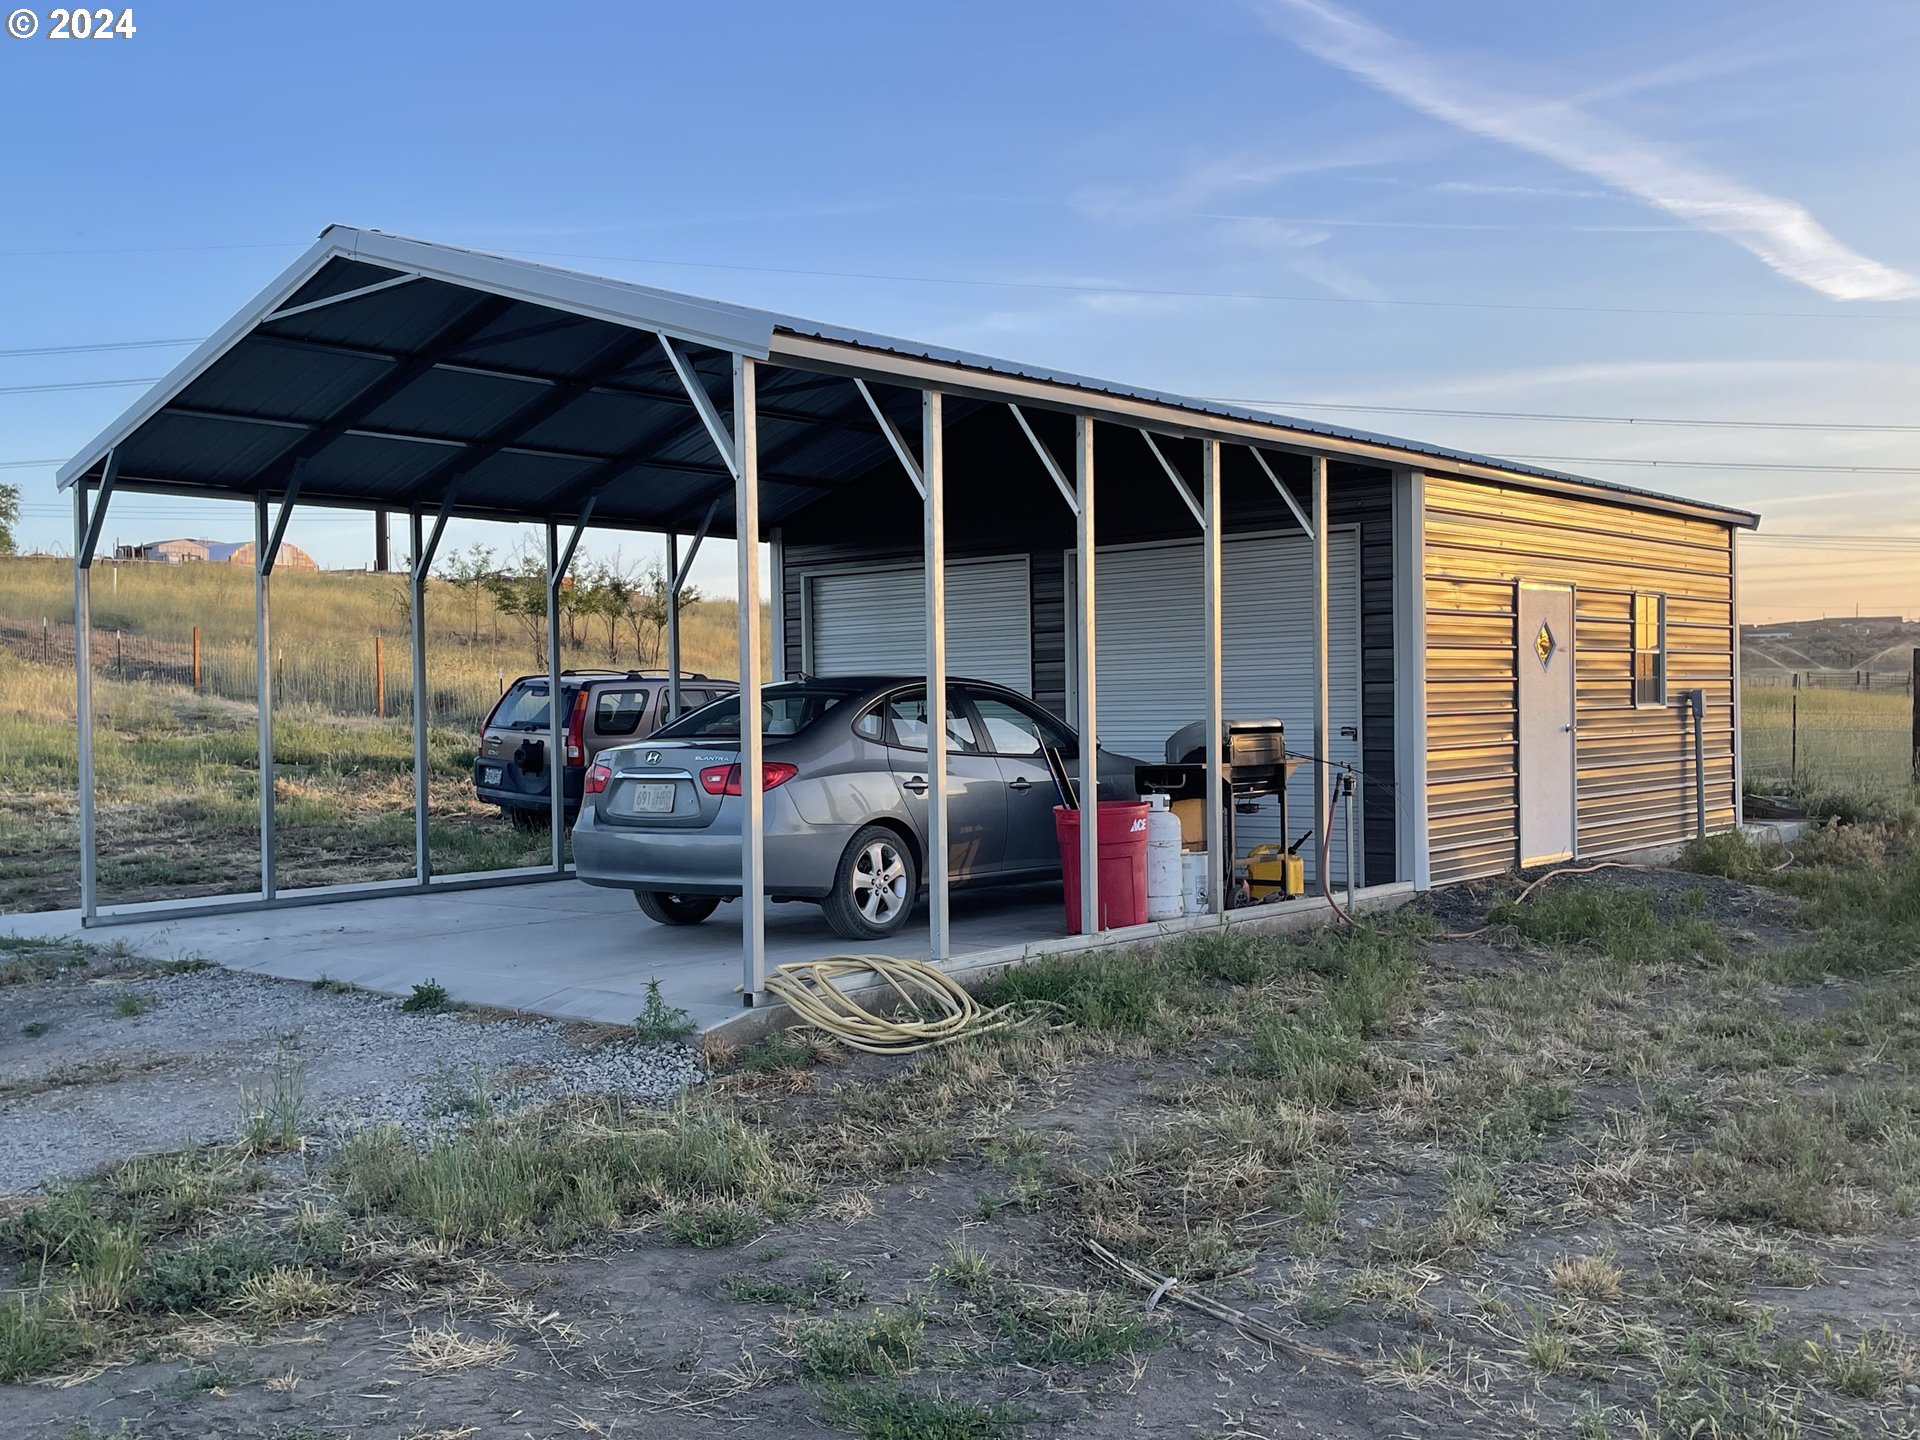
x=1544 y=645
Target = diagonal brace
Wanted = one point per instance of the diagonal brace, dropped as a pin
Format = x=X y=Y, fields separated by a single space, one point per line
x=1046 y=458
x=1285 y=494
x=565 y=562
x=686 y=565
x=97 y=521
x=1179 y=484
x=424 y=560
x=721 y=435
x=374 y=289
x=272 y=553
x=894 y=438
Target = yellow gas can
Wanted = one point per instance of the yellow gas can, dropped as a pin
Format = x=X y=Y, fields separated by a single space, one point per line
x=1272 y=871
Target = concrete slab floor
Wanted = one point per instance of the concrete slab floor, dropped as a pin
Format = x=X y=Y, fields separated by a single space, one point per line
x=560 y=948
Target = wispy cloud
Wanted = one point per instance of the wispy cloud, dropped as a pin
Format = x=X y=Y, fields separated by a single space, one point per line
x=1780 y=232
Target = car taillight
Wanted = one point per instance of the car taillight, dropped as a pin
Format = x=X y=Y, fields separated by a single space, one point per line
x=597 y=778
x=725 y=779
x=576 y=728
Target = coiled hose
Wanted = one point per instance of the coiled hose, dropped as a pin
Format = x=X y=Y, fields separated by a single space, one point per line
x=937 y=1010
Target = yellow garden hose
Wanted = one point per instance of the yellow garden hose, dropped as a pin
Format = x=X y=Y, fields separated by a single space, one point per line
x=936 y=1010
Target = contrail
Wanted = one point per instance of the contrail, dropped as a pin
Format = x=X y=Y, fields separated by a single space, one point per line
x=1781 y=232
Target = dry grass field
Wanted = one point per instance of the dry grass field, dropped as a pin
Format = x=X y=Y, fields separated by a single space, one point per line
x=177 y=767
x=1634 y=1155
x=1849 y=740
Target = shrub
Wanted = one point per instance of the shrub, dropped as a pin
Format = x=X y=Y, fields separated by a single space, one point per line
x=429 y=996
x=660 y=1023
x=36 y=1338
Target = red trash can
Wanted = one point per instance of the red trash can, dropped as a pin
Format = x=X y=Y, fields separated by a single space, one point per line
x=1123 y=862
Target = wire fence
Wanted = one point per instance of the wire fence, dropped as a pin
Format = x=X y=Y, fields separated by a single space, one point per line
x=1891 y=682
x=1828 y=737
x=373 y=678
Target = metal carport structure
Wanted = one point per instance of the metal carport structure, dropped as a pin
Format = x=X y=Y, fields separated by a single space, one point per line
x=384 y=373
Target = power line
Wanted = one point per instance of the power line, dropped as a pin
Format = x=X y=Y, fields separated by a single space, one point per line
x=73 y=385
x=94 y=349
x=1578 y=419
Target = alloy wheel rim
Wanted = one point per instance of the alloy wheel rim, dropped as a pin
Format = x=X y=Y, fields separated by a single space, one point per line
x=879 y=883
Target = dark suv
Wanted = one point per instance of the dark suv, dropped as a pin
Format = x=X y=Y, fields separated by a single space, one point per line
x=599 y=708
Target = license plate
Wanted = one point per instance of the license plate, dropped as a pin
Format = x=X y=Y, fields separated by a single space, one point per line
x=650 y=797
x=490 y=775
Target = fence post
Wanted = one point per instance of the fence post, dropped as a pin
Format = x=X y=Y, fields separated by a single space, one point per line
x=119 y=653
x=379 y=673
x=46 y=640
x=1913 y=691
x=1793 y=743
x=196 y=659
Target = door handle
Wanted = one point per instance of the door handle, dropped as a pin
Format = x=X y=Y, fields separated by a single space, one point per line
x=1021 y=785
x=914 y=783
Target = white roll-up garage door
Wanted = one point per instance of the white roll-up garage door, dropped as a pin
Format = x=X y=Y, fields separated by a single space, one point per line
x=1150 y=651
x=872 y=622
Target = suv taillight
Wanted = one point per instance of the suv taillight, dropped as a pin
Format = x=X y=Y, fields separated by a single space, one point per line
x=597 y=777
x=725 y=779
x=576 y=728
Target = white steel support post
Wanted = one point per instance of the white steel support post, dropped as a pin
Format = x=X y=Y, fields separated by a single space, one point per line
x=934 y=538
x=746 y=528
x=673 y=626
x=83 y=697
x=1410 y=676
x=1217 y=858
x=556 y=722
x=417 y=562
x=263 y=687
x=1733 y=620
x=1088 y=718
x=1322 y=775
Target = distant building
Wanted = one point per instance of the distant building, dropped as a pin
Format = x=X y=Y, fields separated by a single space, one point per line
x=216 y=552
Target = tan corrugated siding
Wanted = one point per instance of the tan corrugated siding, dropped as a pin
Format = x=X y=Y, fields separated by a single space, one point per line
x=1635 y=779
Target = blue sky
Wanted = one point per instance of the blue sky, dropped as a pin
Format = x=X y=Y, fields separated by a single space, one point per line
x=1130 y=175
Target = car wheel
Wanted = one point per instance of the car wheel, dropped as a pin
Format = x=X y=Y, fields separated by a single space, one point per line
x=659 y=906
x=875 y=887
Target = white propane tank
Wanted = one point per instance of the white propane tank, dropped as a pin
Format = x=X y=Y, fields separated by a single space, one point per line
x=1163 y=860
x=1193 y=881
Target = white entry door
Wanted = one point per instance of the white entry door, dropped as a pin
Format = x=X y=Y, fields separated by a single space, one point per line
x=1547 y=787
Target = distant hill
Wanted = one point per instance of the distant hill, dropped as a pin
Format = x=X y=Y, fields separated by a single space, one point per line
x=1879 y=643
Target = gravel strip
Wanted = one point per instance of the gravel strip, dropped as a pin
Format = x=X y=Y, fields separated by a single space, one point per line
x=87 y=1083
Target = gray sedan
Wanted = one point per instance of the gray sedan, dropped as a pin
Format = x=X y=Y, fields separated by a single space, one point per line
x=845 y=781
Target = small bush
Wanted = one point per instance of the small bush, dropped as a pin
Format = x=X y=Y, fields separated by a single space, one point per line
x=200 y=1276
x=430 y=997
x=660 y=1023
x=130 y=1004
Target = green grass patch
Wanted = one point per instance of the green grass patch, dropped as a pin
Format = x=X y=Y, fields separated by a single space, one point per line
x=889 y=1410
x=887 y=1342
x=1621 y=924
x=561 y=1173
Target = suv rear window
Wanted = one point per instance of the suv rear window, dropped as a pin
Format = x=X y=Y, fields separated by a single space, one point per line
x=523 y=707
x=784 y=710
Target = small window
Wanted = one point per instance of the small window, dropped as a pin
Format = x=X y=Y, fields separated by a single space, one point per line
x=619 y=712
x=908 y=716
x=1011 y=731
x=872 y=725
x=1649 y=649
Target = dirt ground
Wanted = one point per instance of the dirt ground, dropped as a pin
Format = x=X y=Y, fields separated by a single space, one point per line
x=1637 y=1156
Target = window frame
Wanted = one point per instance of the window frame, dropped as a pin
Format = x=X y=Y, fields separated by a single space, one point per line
x=1658 y=650
x=641 y=712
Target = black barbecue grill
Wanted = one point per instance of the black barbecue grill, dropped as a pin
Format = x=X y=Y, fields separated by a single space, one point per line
x=1254 y=767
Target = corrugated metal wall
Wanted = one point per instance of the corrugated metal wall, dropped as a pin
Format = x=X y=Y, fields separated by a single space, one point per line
x=1635 y=765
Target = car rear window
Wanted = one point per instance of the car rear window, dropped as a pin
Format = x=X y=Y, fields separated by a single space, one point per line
x=523 y=707
x=784 y=710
